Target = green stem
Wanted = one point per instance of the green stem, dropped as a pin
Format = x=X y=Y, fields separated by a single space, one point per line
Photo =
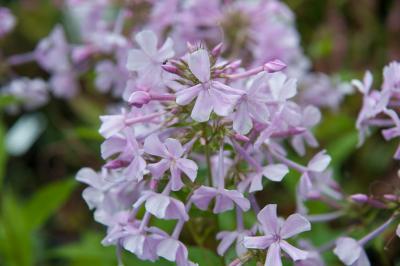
x=208 y=155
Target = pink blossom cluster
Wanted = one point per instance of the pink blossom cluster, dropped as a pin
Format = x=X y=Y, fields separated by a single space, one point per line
x=200 y=111
x=101 y=43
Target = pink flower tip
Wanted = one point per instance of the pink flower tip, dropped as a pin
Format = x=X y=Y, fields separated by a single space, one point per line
x=216 y=51
x=139 y=98
x=359 y=198
x=391 y=197
x=240 y=137
x=274 y=66
x=115 y=164
x=170 y=69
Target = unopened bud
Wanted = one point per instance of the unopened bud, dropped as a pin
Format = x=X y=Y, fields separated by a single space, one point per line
x=391 y=197
x=115 y=164
x=234 y=64
x=216 y=51
x=240 y=137
x=139 y=98
x=359 y=198
x=170 y=69
x=274 y=66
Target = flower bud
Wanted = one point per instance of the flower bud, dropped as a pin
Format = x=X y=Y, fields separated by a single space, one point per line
x=139 y=98
x=216 y=51
x=274 y=66
x=359 y=198
x=170 y=69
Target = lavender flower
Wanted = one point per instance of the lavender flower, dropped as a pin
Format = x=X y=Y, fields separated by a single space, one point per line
x=350 y=252
x=171 y=152
x=148 y=60
x=275 y=234
x=7 y=21
x=212 y=95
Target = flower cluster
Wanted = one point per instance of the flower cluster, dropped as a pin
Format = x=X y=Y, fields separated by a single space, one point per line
x=201 y=111
x=215 y=103
x=379 y=107
x=102 y=44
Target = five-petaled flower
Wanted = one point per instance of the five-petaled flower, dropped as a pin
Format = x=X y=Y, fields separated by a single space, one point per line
x=275 y=234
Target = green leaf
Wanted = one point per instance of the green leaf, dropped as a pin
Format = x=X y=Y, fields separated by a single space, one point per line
x=6 y=100
x=3 y=154
x=46 y=201
x=18 y=250
x=204 y=257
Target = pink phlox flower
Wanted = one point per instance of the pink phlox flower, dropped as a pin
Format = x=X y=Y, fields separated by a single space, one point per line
x=350 y=252
x=162 y=206
x=174 y=250
x=171 y=152
x=228 y=238
x=211 y=95
x=275 y=235
x=7 y=21
x=273 y=172
x=52 y=52
x=129 y=155
x=147 y=60
x=224 y=199
x=310 y=117
x=251 y=105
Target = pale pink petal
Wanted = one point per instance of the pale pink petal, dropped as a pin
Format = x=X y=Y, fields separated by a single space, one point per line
x=176 y=210
x=188 y=167
x=157 y=205
x=311 y=116
x=222 y=203
x=92 y=197
x=186 y=95
x=238 y=198
x=348 y=250
x=166 y=51
x=256 y=182
x=224 y=98
x=147 y=41
x=90 y=177
x=111 y=125
x=158 y=169
x=268 y=218
x=276 y=82
x=112 y=146
x=176 y=180
x=203 y=107
x=293 y=252
x=294 y=225
x=227 y=239
x=174 y=147
x=242 y=122
x=137 y=60
x=362 y=260
x=168 y=249
x=199 y=64
x=273 y=255
x=202 y=196
x=319 y=162
x=257 y=242
x=289 y=89
x=135 y=169
x=398 y=230
x=152 y=145
x=259 y=111
x=275 y=172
